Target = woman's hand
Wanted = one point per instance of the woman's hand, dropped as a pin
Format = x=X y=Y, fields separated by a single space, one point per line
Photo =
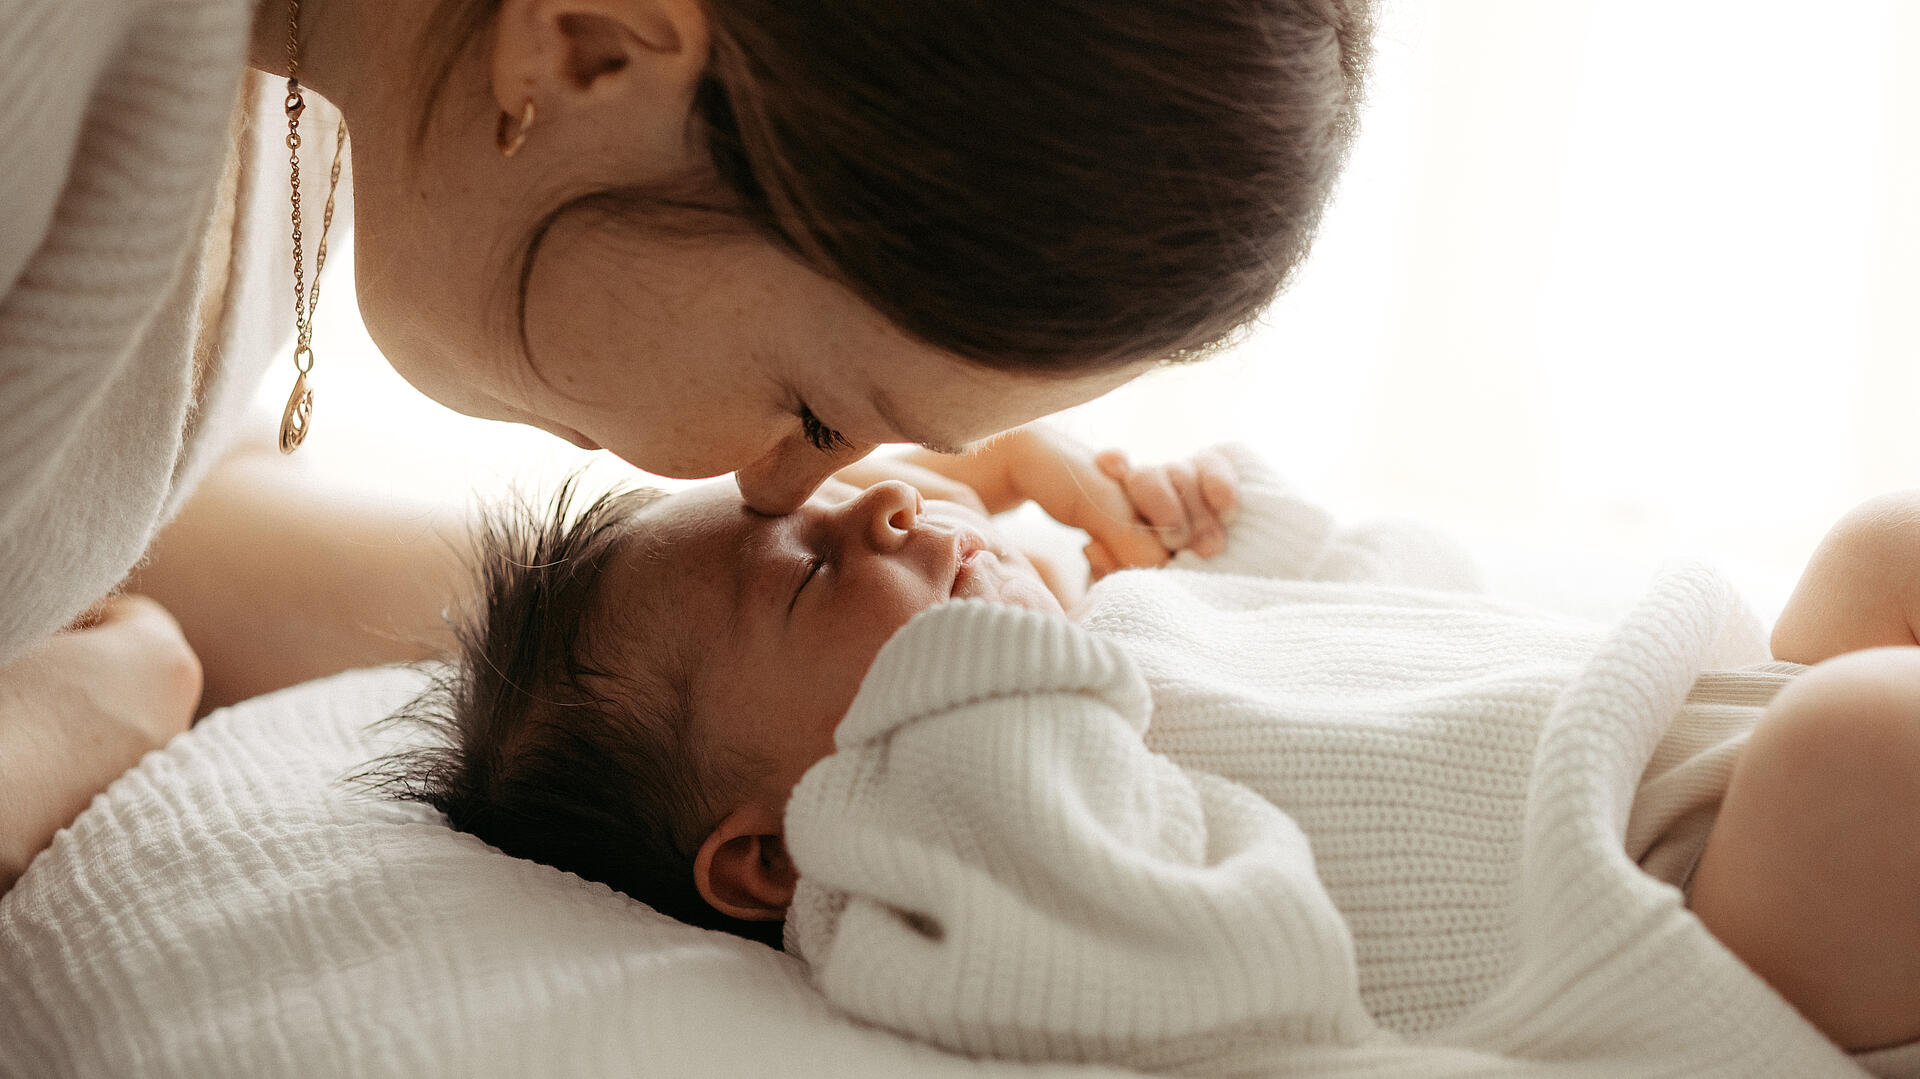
x=80 y=711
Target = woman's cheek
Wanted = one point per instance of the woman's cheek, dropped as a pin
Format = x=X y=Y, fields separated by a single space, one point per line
x=664 y=452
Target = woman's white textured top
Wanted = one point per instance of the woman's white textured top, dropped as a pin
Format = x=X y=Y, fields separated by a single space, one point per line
x=115 y=124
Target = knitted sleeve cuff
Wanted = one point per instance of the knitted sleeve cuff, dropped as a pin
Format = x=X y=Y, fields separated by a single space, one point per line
x=1281 y=533
x=967 y=651
x=993 y=861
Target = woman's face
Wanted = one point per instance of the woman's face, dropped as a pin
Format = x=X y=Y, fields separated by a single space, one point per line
x=688 y=355
x=697 y=358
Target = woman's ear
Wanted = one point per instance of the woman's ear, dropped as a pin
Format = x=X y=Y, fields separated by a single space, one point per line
x=742 y=869
x=641 y=59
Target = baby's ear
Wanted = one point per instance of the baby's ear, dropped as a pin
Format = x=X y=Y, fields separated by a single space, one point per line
x=742 y=869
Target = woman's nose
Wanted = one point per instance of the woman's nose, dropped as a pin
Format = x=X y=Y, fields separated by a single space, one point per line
x=782 y=480
x=885 y=513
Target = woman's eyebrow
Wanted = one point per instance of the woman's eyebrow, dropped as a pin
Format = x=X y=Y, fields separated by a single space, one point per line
x=884 y=405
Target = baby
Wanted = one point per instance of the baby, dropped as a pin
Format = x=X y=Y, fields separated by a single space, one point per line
x=1376 y=817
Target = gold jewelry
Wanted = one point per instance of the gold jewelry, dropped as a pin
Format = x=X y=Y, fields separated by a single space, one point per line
x=295 y=420
x=509 y=142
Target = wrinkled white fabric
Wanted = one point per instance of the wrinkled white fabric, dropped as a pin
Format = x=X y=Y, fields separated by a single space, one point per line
x=232 y=908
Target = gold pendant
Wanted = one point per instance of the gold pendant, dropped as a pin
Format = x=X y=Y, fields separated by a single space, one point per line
x=298 y=416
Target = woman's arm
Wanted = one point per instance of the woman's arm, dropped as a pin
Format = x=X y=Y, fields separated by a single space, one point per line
x=80 y=710
x=278 y=577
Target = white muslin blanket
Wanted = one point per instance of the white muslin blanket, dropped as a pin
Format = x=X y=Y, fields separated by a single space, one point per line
x=232 y=908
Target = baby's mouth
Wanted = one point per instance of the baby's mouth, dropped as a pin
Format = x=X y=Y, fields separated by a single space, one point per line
x=968 y=549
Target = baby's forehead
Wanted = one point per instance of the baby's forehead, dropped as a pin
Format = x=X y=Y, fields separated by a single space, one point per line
x=687 y=529
x=704 y=511
x=668 y=575
x=698 y=510
x=702 y=539
x=691 y=546
x=682 y=565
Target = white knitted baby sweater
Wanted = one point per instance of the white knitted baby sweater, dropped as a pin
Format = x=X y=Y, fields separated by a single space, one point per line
x=1305 y=809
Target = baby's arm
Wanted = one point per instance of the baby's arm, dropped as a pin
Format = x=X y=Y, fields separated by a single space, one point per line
x=1277 y=532
x=1861 y=589
x=1223 y=510
x=1134 y=516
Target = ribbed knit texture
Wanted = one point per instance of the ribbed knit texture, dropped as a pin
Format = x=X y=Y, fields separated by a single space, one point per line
x=1197 y=872
x=988 y=861
x=114 y=115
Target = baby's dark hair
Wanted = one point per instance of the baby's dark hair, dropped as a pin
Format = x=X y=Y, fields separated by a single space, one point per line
x=562 y=732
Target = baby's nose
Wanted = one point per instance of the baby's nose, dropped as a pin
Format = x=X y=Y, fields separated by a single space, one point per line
x=889 y=509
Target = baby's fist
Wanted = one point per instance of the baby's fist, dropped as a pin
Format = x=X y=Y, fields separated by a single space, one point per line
x=1188 y=504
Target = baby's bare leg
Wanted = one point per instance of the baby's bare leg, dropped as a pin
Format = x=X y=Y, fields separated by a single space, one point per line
x=1861 y=589
x=1812 y=873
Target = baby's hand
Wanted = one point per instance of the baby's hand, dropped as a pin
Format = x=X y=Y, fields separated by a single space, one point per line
x=1187 y=504
x=1133 y=516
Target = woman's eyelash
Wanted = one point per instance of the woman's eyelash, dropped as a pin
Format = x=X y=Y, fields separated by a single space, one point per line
x=823 y=438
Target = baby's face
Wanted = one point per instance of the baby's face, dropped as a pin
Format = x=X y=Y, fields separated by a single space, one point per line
x=785 y=614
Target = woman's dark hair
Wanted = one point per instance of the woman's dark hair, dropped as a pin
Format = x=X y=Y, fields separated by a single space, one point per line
x=1053 y=185
x=561 y=733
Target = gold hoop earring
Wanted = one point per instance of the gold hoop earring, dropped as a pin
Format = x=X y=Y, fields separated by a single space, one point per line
x=508 y=136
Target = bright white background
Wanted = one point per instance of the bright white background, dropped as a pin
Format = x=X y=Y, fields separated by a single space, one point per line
x=1624 y=278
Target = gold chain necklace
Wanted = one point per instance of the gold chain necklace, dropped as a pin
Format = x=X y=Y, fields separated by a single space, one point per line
x=296 y=419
